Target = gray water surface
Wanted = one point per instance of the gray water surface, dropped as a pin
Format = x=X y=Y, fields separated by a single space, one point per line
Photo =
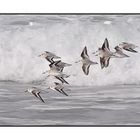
x=100 y=105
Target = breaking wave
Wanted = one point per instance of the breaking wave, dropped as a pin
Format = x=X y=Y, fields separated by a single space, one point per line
x=23 y=38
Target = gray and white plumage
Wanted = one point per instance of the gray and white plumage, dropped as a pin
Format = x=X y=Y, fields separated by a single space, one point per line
x=58 y=87
x=128 y=47
x=49 y=56
x=105 y=54
x=36 y=92
x=57 y=74
x=59 y=65
x=86 y=62
x=119 y=52
x=61 y=78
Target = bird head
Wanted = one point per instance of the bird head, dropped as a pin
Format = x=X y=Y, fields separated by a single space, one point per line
x=42 y=55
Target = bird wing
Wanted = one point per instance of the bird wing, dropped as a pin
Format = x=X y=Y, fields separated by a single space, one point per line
x=107 y=61
x=64 y=81
x=85 y=68
x=40 y=97
x=105 y=45
x=130 y=50
x=61 y=79
x=51 y=64
x=59 y=66
x=84 y=53
x=54 y=65
x=57 y=83
x=50 y=59
x=102 y=62
x=120 y=52
x=34 y=93
x=57 y=89
x=62 y=91
x=50 y=54
x=57 y=62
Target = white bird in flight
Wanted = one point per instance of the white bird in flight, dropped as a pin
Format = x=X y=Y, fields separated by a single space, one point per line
x=58 y=65
x=36 y=92
x=119 y=52
x=86 y=62
x=58 y=87
x=105 y=54
x=128 y=47
x=49 y=56
x=57 y=74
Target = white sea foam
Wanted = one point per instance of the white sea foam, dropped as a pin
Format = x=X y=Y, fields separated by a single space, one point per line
x=66 y=36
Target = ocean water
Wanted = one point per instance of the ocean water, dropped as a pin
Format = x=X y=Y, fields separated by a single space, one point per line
x=108 y=96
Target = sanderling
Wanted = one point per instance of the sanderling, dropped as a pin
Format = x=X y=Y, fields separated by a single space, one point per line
x=128 y=47
x=49 y=56
x=36 y=92
x=86 y=62
x=58 y=87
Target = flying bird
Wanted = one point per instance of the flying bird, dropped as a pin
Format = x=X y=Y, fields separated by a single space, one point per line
x=49 y=56
x=86 y=62
x=119 y=52
x=36 y=92
x=128 y=47
x=57 y=74
x=58 y=65
x=58 y=87
x=105 y=54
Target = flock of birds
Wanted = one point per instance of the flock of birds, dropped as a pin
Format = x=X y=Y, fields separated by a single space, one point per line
x=57 y=66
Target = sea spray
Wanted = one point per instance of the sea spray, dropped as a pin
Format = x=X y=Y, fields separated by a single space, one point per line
x=66 y=36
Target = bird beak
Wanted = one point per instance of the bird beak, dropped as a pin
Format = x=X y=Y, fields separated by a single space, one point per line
x=39 y=55
x=25 y=91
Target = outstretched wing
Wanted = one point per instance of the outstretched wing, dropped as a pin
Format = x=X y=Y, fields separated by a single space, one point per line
x=105 y=45
x=40 y=97
x=34 y=93
x=56 y=83
x=130 y=50
x=64 y=92
x=85 y=68
x=102 y=62
x=57 y=89
x=54 y=63
x=107 y=62
x=50 y=59
x=61 y=79
x=84 y=53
